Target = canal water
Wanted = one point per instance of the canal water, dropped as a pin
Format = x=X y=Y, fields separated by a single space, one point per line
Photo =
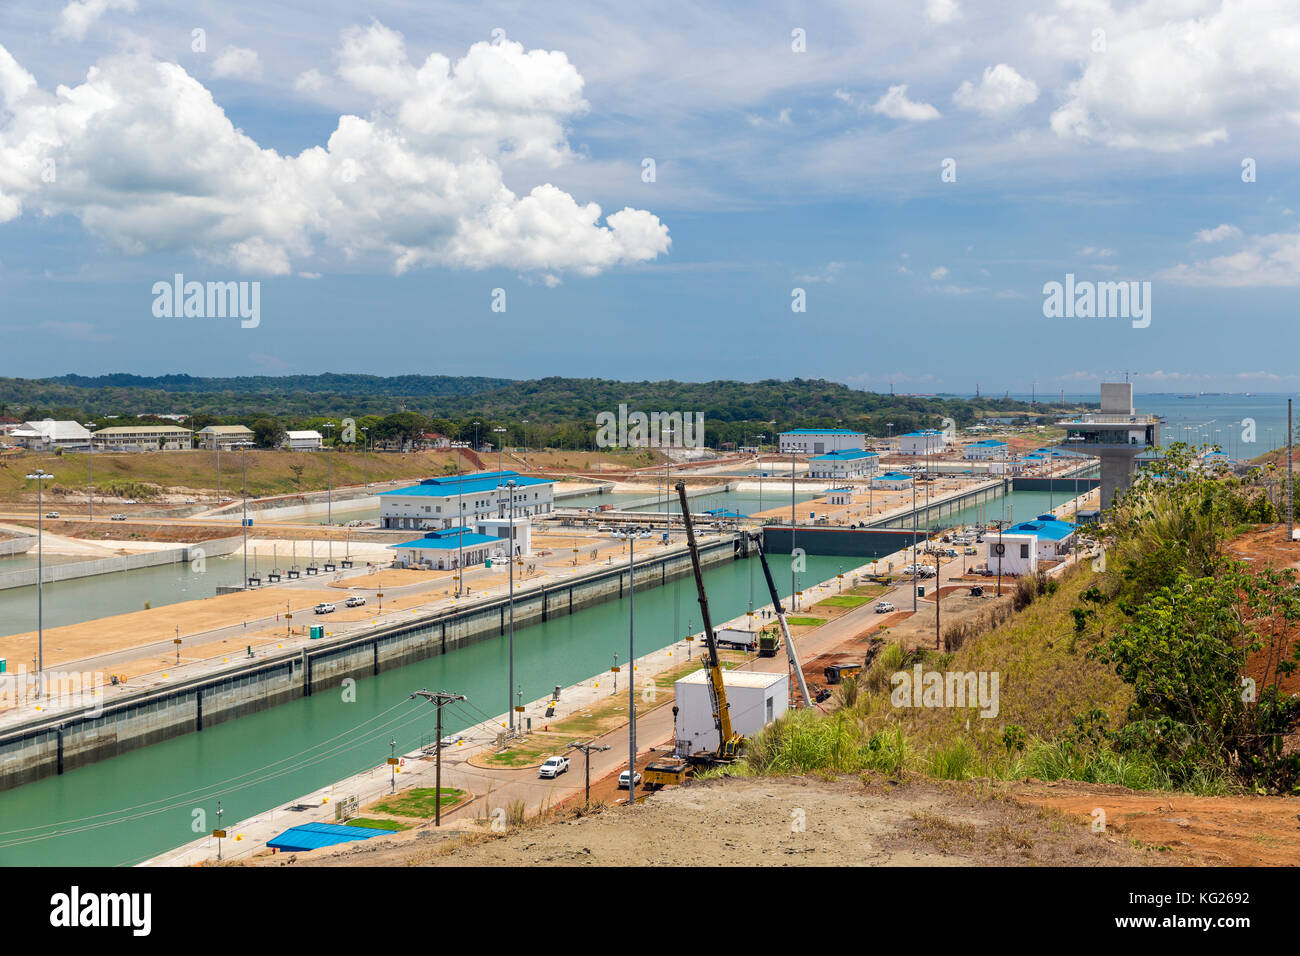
x=132 y=807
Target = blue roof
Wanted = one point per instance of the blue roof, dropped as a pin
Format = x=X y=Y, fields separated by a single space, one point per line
x=313 y=836
x=988 y=443
x=893 y=476
x=848 y=454
x=820 y=431
x=928 y=433
x=447 y=542
x=451 y=485
x=1053 y=530
x=724 y=513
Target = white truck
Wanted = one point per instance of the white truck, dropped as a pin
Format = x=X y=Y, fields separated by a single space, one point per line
x=553 y=767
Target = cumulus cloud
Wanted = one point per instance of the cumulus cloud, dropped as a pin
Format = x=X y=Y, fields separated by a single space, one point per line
x=896 y=105
x=1001 y=92
x=1218 y=233
x=309 y=81
x=1271 y=260
x=78 y=17
x=1139 y=93
x=939 y=272
x=149 y=163
x=942 y=11
x=238 y=62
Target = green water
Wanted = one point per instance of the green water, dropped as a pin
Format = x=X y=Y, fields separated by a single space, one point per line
x=129 y=808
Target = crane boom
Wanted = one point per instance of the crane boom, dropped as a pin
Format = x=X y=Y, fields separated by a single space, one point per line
x=728 y=743
x=785 y=628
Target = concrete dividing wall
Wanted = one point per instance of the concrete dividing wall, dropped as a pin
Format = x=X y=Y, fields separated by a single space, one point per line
x=934 y=514
x=868 y=543
x=1063 y=485
x=19 y=545
x=124 y=562
x=54 y=744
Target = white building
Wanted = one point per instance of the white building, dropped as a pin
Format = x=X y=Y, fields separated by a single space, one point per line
x=985 y=450
x=819 y=441
x=755 y=699
x=47 y=434
x=303 y=441
x=926 y=442
x=839 y=496
x=223 y=436
x=1020 y=547
x=843 y=465
x=144 y=438
x=892 y=480
x=442 y=550
x=1006 y=466
x=455 y=501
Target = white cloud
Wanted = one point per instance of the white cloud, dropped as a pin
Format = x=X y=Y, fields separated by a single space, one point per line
x=237 y=62
x=78 y=17
x=1099 y=253
x=309 y=81
x=77 y=331
x=1001 y=92
x=1218 y=233
x=1271 y=260
x=827 y=273
x=939 y=272
x=150 y=163
x=1170 y=83
x=896 y=105
x=942 y=11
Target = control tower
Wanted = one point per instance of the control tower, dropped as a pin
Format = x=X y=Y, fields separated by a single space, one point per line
x=1116 y=434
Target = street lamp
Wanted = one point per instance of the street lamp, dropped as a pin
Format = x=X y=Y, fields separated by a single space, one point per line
x=329 y=476
x=88 y=426
x=243 y=462
x=460 y=522
x=365 y=450
x=39 y=477
x=500 y=442
x=510 y=556
x=525 y=444
x=476 y=424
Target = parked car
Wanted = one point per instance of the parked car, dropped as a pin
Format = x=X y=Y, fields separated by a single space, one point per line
x=451 y=741
x=354 y=601
x=51 y=514
x=324 y=608
x=622 y=780
x=884 y=607
x=118 y=517
x=970 y=550
x=131 y=501
x=553 y=767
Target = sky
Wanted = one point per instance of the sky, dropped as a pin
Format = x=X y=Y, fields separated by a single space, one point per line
x=870 y=192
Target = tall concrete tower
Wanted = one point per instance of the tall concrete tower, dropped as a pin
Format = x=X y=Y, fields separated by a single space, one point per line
x=1116 y=434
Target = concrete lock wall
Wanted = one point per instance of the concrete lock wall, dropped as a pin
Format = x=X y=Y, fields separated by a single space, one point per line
x=57 y=743
x=127 y=562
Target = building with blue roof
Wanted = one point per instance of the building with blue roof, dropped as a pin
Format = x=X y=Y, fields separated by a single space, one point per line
x=438 y=504
x=819 y=441
x=843 y=465
x=1020 y=548
x=892 y=479
x=984 y=450
x=928 y=441
x=314 y=836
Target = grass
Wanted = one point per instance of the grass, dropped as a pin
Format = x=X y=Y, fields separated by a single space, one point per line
x=371 y=823
x=416 y=802
x=844 y=600
x=805 y=621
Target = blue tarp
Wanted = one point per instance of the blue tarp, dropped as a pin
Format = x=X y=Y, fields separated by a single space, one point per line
x=313 y=836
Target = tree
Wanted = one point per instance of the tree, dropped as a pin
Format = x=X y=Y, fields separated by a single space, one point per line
x=267 y=432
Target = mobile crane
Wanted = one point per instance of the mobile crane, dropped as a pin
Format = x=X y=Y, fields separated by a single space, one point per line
x=730 y=743
x=785 y=628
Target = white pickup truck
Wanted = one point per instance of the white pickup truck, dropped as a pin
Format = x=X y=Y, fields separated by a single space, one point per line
x=553 y=767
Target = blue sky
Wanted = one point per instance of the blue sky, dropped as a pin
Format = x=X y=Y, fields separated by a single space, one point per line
x=380 y=196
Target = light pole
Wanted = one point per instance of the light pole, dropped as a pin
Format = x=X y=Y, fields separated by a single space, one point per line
x=365 y=451
x=510 y=556
x=794 y=590
x=39 y=477
x=460 y=523
x=525 y=444
x=243 y=462
x=88 y=426
x=760 y=439
x=500 y=443
x=631 y=668
x=329 y=475
x=914 y=569
x=476 y=424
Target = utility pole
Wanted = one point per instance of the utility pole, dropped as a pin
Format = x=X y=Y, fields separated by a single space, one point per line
x=1290 y=487
x=510 y=556
x=392 y=765
x=586 y=749
x=631 y=664
x=794 y=586
x=89 y=425
x=40 y=476
x=438 y=699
